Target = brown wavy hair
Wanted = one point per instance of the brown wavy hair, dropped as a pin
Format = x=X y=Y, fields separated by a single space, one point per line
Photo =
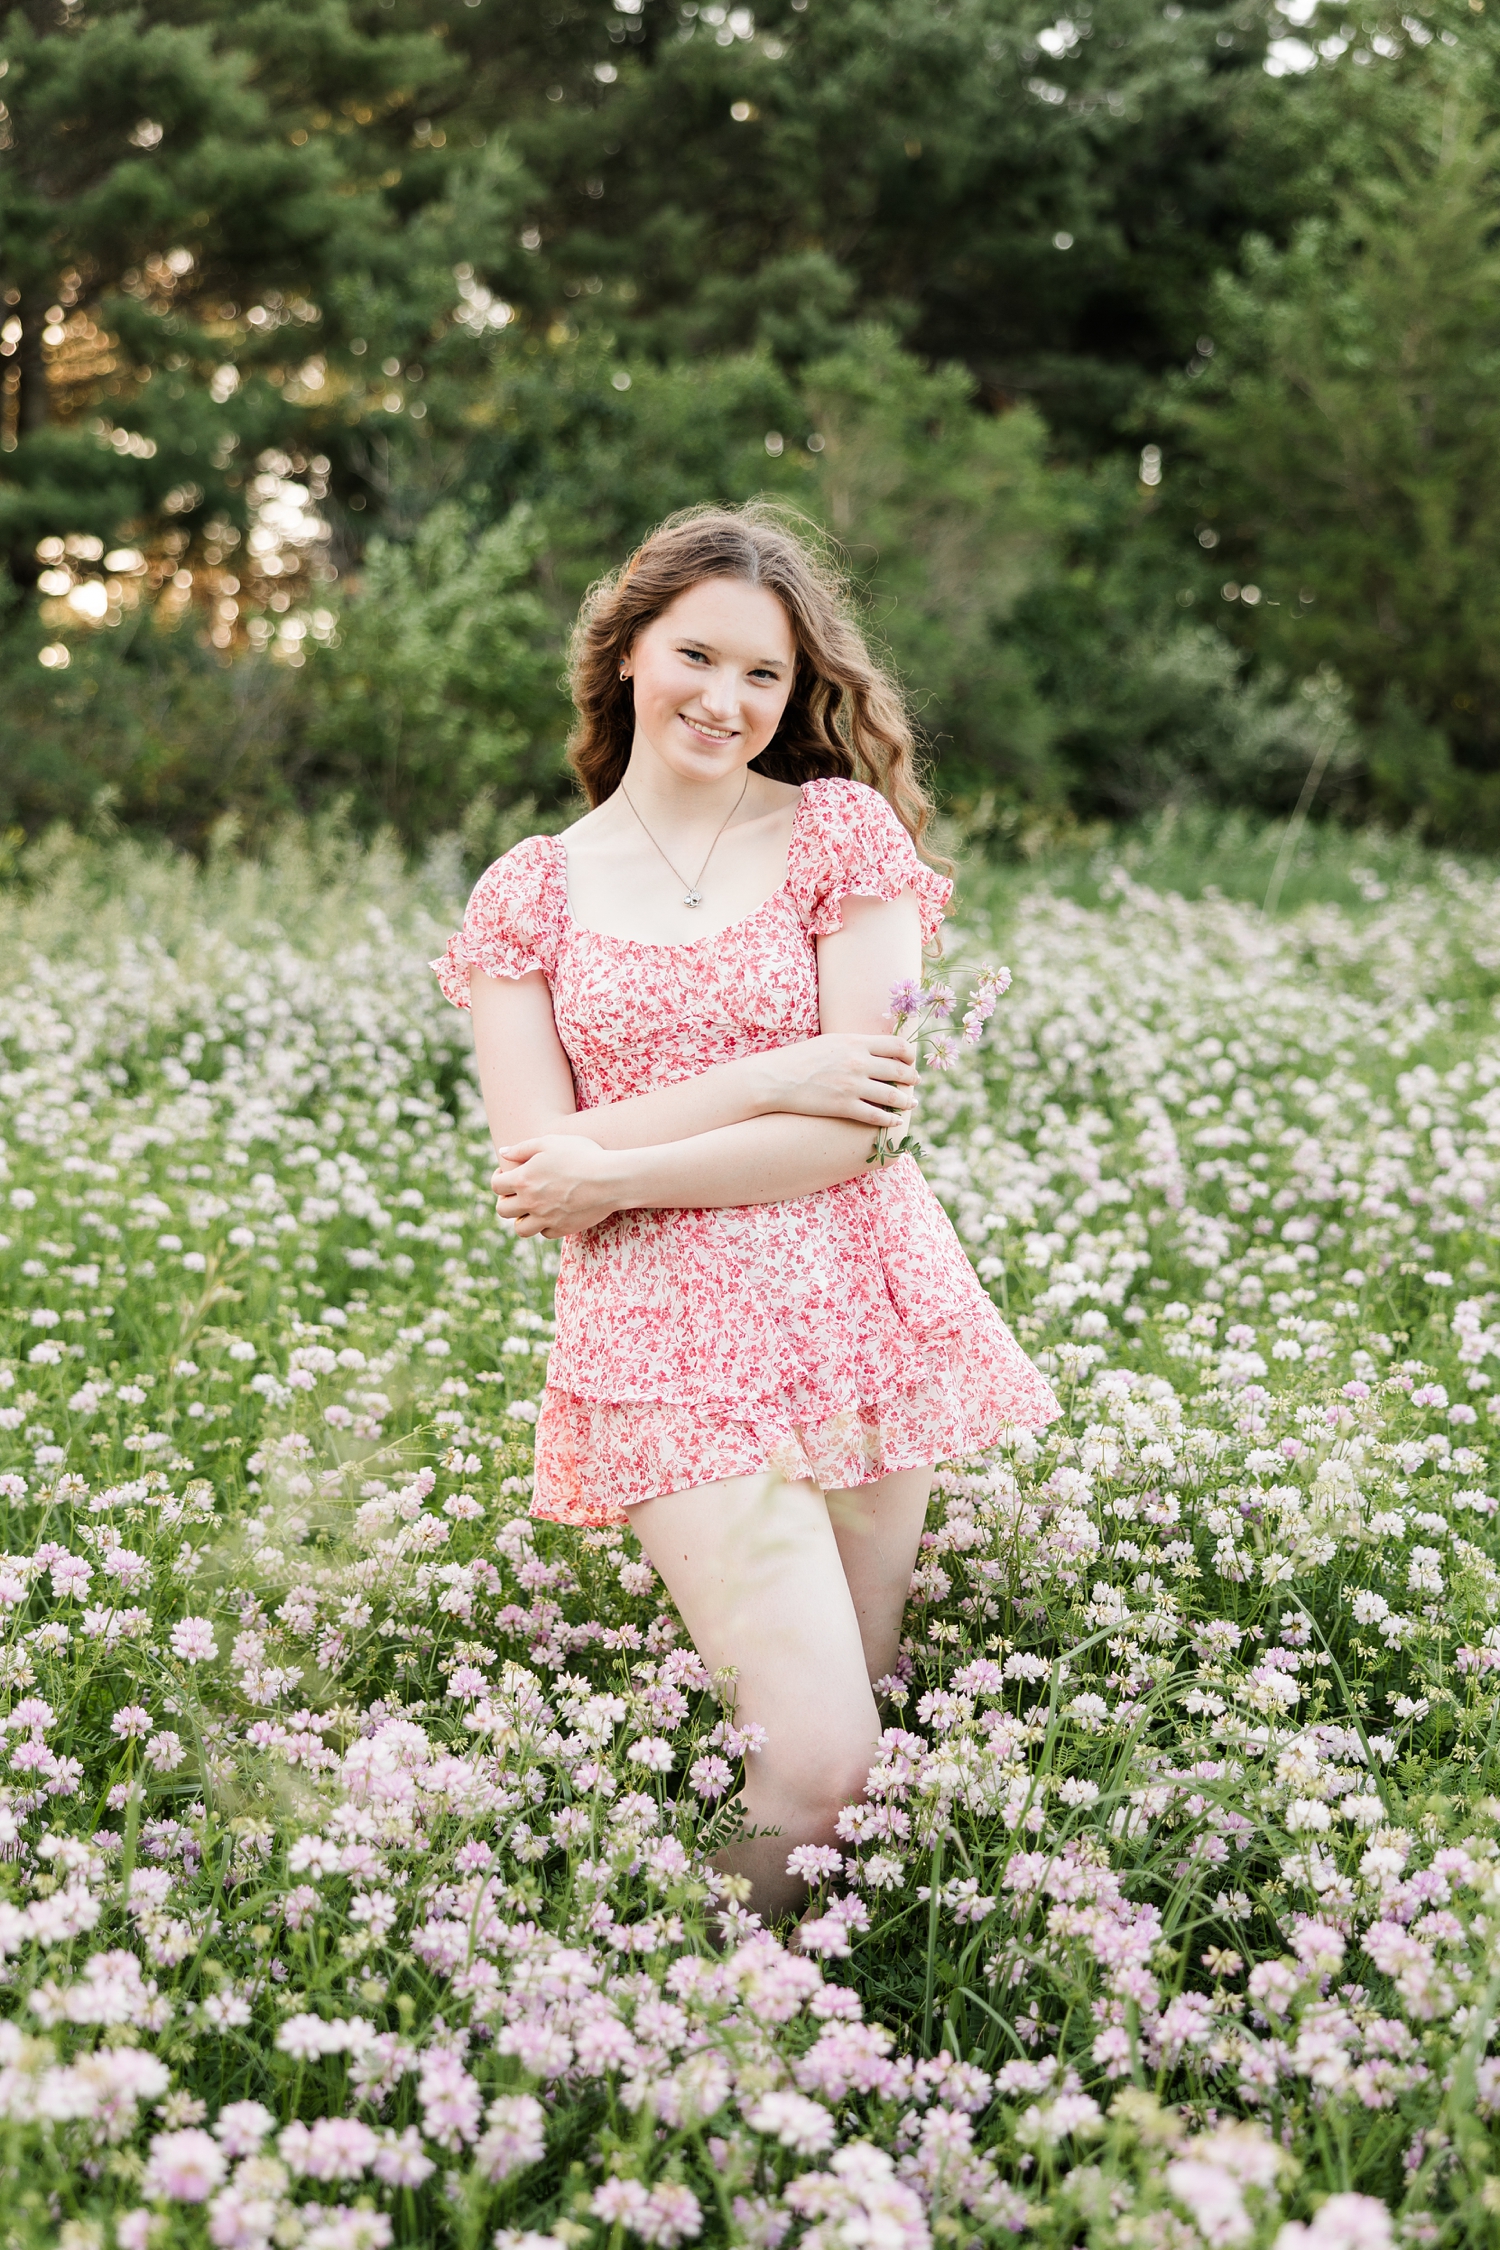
x=845 y=716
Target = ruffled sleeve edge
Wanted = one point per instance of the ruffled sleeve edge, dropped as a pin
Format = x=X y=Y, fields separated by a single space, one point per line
x=933 y=894
x=494 y=956
x=869 y=855
x=484 y=942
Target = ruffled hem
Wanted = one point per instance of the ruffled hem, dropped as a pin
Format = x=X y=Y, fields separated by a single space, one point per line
x=595 y=1460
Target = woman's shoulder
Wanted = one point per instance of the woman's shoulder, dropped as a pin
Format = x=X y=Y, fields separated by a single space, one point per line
x=522 y=882
x=845 y=818
x=514 y=918
x=835 y=795
x=854 y=844
x=849 y=815
x=531 y=857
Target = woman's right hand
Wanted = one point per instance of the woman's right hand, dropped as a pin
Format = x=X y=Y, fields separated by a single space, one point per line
x=868 y=1077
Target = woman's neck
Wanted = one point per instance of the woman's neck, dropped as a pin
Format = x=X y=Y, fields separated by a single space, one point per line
x=657 y=791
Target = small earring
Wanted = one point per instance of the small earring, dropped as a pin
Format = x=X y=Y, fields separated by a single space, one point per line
x=624 y=675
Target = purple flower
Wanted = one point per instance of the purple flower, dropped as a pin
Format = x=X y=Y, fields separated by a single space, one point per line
x=517 y=2136
x=710 y=1777
x=400 y=2162
x=242 y=2126
x=906 y=999
x=797 y=2122
x=668 y=2215
x=331 y=2148
x=183 y=2167
x=814 y=1862
x=193 y=1640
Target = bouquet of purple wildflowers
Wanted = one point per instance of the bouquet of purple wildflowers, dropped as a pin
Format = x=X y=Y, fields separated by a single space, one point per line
x=921 y=1013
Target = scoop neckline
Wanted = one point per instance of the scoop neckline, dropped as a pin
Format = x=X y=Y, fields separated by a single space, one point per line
x=685 y=945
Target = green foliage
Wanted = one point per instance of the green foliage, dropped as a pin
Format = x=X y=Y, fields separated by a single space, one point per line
x=901 y=157
x=1346 y=430
x=144 y=729
x=444 y=683
x=1027 y=610
x=601 y=444
x=948 y=516
x=162 y=176
x=1197 y=851
x=445 y=264
x=1149 y=706
x=287 y=193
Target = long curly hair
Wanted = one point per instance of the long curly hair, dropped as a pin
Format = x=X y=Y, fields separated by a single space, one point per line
x=845 y=715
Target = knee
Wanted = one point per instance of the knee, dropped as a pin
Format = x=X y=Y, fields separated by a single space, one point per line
x=832 y=1775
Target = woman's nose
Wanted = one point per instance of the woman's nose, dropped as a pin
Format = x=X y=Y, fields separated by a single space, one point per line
x=721 y=693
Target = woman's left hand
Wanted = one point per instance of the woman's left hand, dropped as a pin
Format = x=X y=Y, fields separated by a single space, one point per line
x=555 y=1185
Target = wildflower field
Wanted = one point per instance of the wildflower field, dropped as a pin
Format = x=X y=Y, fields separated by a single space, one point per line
x=353 y=1828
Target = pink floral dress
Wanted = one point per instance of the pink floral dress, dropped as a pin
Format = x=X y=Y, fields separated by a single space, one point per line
x=837 y=1337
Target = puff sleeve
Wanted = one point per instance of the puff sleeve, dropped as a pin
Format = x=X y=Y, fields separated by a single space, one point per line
x=513 y=921
x=853 y=846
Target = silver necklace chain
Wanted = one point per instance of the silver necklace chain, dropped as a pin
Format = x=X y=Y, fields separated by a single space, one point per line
x=694 y=896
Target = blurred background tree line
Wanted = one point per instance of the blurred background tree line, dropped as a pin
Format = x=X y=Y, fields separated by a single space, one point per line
x=1143 y=359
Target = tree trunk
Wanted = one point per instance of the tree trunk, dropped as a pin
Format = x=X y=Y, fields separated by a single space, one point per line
x=33 y=407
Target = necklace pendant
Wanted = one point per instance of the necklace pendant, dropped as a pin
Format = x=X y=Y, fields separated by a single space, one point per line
x=694 y=898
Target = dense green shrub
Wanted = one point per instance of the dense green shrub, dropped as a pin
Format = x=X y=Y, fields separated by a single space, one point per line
x=1029 y=610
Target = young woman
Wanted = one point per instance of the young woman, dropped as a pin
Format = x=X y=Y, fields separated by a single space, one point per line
x=682 y=1016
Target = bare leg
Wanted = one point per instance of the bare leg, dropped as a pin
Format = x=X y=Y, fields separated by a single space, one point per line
x=755 y=1570
x=879 y=1530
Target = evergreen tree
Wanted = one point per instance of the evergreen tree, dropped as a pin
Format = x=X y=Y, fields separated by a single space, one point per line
x=1038 y=197
x=188 y=201
x=1342 y=444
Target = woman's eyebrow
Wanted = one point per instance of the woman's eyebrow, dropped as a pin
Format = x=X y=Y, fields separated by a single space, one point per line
x=758 y=664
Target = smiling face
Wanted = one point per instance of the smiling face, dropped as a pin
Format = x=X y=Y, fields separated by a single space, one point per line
x=711 y=678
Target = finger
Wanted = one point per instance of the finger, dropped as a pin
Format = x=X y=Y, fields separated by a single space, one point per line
x=508 y=1179
x=519 y=1151
x=899 y=1093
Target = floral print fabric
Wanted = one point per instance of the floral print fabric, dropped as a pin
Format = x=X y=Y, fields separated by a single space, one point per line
x=837 y=1337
